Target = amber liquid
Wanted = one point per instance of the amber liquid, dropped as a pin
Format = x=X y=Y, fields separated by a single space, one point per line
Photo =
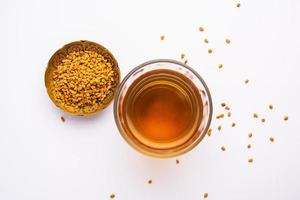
x=162 y=108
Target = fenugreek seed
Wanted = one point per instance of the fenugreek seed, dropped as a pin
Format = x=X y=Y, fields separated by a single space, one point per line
x=250 y=160
x=219 y=128
x=112 y=196
x=201 y=29
x=223 y=104
x=238 y=5
x=177 y=161
x=162 y=37
x=205 y=40
x=209 y=132
x=250 y=135
x=246 y=81
x=249 y=146
x=220 y=116
x=62 y=119
x=227 y=108
x=150 y=181
x=229 y=114
x=263 y=120
x=210 y=50
x=271 y=107
x=220 y=66
x=285 y=118
x=271 y=139
x=223 y=148
x=205 y=195
x=186 y=61
x=233 y=124
x=255 y=115
x=182 y=56
x=227 y=41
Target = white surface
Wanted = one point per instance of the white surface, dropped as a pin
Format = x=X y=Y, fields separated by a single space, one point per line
x=86 y=158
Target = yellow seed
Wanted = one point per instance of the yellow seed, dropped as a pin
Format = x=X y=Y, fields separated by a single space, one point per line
x=250 y=160
x=219 y=128
x=271 y=139
x=162 y=37
x=246 y=81
x=223 y=148
x=271 y=107
x=223 y=104
x=210 y=50
x=205 y=195
x=177 y=161
x=201 y=29
x=220 y=66
x=182 y=56
x=255 y=115
x=112 y=196
x=150 y=181
x=233 y=124
x=227 y=108
x=263 y=120
x=227 y=41
x=186 y=61
x=220 y=116
x=238 y=5
x=250 y=135
x=62 y=119
x=229 y=114
x=285 y=118
x=209 y=132
x=249 y=146
x=205 y=40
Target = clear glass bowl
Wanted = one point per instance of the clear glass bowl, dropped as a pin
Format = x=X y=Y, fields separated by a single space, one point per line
x=202 y=126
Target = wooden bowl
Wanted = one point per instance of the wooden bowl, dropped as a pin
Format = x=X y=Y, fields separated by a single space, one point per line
x=77 y=46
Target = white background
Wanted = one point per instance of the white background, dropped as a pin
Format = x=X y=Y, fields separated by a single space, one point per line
x=42 y=158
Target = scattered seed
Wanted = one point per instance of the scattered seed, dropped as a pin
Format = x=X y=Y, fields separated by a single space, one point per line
x=233 y=124
x=162 y=37
x=249 y=146
x=285 y=118
x=201 y=29
x=112 y=196
x=227 y=41
x=219 y=128
x=209 y=132
x=220 y=66
x=229 y=114
x=271 y=139
x=223 y=148
x=149 y=181
x=186 y=61
x=220 y=116
x=227 y=108
x=246 y=81
x=250 y=160
x=255 y=115
x=205 y=40
x=263 y=120
x=177 y=161
x=62 y=119
x=205 y=195
x=250 y=135
x=271 y=107
x=238 y=5
x=182 y=56
x=223 y=104
x=210 y=50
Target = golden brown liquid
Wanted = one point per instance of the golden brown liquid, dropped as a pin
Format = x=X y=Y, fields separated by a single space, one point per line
x=163 y=109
